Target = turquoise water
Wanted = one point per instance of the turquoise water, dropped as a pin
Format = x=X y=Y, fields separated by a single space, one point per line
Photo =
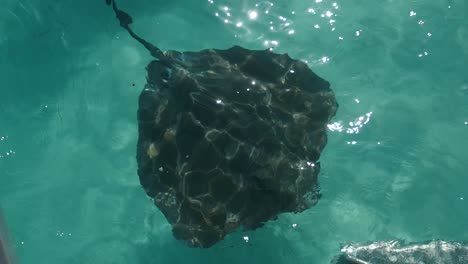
x=395 y=165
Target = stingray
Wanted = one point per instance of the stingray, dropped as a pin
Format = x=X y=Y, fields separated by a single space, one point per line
x=228 y=138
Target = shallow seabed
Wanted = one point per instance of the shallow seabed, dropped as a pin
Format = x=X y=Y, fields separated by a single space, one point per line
x=395 y=165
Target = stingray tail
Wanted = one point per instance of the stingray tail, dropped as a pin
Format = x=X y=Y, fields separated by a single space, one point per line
x=125 y=20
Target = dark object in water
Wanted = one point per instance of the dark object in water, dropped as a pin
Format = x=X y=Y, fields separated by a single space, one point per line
x=391 y=252
x=6 y=247
x=229 y=138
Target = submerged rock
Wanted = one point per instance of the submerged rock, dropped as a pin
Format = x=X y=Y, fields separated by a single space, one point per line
x=390 y=252
x=229 y=138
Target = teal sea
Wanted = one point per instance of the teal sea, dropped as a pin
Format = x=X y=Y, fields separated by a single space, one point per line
x=395 y=166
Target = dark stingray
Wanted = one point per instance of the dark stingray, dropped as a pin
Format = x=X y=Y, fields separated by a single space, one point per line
x=229 y=138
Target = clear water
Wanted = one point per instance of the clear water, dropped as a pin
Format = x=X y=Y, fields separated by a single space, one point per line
x=395 y=165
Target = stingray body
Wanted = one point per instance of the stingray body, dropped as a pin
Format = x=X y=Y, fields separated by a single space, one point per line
x=229 y=138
